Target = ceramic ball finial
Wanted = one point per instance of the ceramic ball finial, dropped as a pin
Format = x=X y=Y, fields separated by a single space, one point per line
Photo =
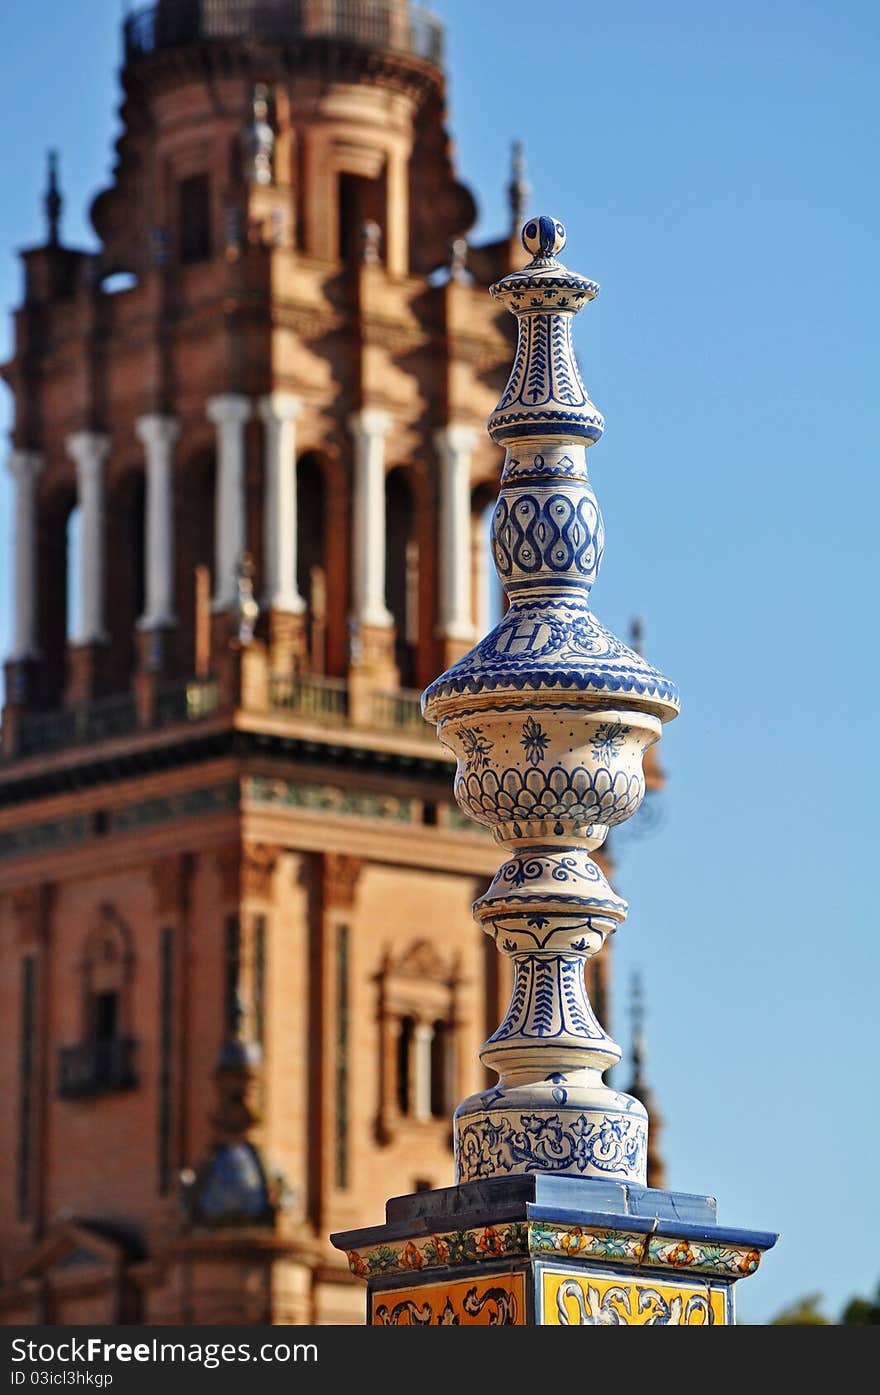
x=544 y=236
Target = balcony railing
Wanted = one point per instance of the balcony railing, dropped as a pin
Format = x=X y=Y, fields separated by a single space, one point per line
x=325 y=699
x=95 y=1067
x=318 y=699
x=401 y=710
x=185 y=700
x=43 y=732
x=182 y=700
x=387 y=24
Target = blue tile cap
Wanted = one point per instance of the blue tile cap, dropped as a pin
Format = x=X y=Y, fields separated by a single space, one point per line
x=564 y=1200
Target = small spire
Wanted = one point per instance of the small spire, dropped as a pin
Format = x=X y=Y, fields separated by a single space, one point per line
x=639 y=1087
x=518 y=190
x=637 y=634
x=458 y=260
x=53 y=201
x=637 y=1014
x=371 y=242
x=247 y=606
x=259 y=138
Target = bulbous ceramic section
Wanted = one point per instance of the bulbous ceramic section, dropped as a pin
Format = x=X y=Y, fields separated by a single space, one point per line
x=548 y=897
x=569 y=1125
x=549 y=771
x=546 y=537
x=545 y=645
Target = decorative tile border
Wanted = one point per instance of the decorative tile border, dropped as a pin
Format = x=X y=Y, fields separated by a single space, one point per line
x=540 y=1238
x=44 y=837
x=696 y=1257
x=576 y=1241
x=300 y=794
x=164 y=808
x=645 y=1250
x=447 y=1248
x=328 y=799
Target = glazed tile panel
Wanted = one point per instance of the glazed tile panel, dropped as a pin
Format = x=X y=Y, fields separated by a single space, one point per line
x=496 y=1301
x=592 y=1299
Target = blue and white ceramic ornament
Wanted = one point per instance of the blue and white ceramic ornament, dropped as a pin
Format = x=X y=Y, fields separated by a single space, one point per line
x=549 y=717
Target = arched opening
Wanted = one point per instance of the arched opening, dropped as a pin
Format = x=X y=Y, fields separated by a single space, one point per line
x=72 y=574
x=194 y=507
x=58 y=594
x=311 y=555
x=361 y=201
x=488 y=600
x=194 y=219
x=405 y=1063
x=402 y=571
x=125 y=574
x=441 y=1069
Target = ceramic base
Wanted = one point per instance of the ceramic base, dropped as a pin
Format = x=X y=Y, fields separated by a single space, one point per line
x=551 y=1251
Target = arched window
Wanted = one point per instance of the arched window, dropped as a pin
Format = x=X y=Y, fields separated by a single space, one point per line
x=402 y=571
x=417 y=1013
x=104 y=1057
x=311 y=555
x=107 y=969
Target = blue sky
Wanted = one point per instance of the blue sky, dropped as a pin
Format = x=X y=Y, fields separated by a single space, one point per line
x=716 y=168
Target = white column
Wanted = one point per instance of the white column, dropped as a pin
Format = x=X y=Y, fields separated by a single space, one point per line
x=25 y=467
x=279 y=412
x=369 y=428
x=229 y=414
x=89 y=450
x=158 y=435
x=454 y=445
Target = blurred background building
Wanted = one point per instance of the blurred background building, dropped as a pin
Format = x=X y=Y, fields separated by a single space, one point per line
x=240 y=986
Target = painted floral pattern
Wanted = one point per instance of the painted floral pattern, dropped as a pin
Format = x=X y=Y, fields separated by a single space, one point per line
x=534 y=741
x=476 y=747
x=607 y=741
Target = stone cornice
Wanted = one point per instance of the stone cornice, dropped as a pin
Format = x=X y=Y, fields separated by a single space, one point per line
x=335 y=57
x=90 y=767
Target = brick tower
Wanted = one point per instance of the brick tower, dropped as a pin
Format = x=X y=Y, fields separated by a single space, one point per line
x=240 y=985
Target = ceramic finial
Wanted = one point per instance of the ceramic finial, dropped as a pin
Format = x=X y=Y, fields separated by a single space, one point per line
x=519 y=189
x=637 y=634
x=53 y=201
x=543 y=237
x=549 y=717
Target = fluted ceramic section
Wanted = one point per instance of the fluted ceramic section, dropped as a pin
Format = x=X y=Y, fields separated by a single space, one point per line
x=549 y=717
